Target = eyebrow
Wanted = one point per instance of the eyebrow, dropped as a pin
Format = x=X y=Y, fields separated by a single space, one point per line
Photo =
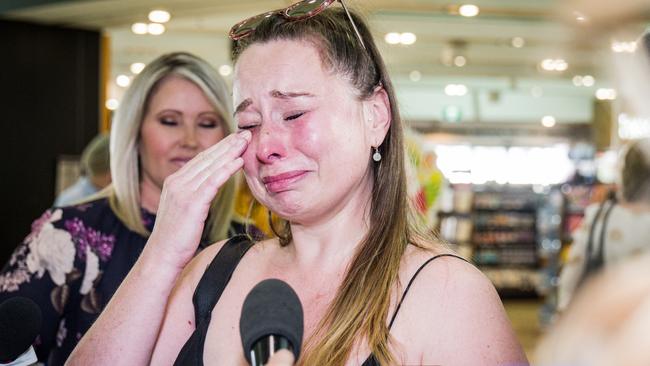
x=275 y=94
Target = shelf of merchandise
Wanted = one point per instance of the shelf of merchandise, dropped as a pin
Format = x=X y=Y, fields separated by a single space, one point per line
x=495 y=226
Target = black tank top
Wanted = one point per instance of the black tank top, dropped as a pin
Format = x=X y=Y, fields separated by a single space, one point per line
x=213 y=283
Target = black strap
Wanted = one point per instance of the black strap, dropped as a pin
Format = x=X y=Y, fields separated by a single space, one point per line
x=594 y=263
x=408 y=287
x=207 y=294
x=371 y=360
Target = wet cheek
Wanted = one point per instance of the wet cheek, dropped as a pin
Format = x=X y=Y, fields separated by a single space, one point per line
x=307 y=138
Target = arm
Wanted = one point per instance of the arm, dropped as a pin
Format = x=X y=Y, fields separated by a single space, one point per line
x=457 y=318
x=136 y=310
x=179 y=319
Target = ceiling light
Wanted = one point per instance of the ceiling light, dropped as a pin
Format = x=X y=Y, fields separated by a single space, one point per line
x=518 y=42
x=415 y=75
x=577 y=80
x=392 y=38
x=588 y=80
x=620 y=47
x=407 y=38
x=225 y=70
x=460 y=61
x=548 y=121
x=112 y=104
x=155 y=29
x=550 y=64
x=455 y=90
x=580 y=18
x=605 y=94
x=468 y=10
x=123 y=80
x=159 y=16
x=136 y=67
x=139 y=28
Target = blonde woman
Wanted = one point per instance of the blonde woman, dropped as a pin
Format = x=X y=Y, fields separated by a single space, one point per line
x=76 y=257
x=321 y=145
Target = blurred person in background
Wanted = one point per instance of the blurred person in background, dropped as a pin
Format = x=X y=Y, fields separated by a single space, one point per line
x=614 y=230
x=608 y=322
x=76 y=257
x=95 y=173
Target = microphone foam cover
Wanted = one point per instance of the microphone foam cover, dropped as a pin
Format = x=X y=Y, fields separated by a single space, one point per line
x=20 y=323
x=272 y=307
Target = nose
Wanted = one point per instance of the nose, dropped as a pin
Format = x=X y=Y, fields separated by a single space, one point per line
x=189 y=138
x=271 y=143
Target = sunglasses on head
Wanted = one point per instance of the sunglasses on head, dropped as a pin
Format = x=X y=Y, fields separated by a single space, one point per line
x=301 y=10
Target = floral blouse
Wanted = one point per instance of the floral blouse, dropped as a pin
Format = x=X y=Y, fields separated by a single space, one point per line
x=71 y=264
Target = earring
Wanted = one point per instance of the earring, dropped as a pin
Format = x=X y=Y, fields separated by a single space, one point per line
x=376 y=156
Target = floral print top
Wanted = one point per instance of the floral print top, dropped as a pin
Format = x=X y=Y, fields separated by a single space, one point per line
x=71 y=264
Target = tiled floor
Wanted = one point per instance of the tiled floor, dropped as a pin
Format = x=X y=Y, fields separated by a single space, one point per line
x=524 y=315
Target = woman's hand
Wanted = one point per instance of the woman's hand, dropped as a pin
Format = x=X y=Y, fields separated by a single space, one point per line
x=187 y=195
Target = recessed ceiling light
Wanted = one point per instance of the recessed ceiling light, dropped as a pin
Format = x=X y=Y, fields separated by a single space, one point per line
x=577 y=80
x=605 y=94
x=620 y=47
x=139 y=28
x=518 y=42
x=415 y=75
x=455 y=90
x=155 y=29
x=460 y=61
x=468 y=10
x=136 y=67
x=407 y=38
x=112 y=104
x=225 y=70
x=588 y=80
x=122 y=80
x=392 y=38
x=550 y=64
x=159 y=16
x=548 y=121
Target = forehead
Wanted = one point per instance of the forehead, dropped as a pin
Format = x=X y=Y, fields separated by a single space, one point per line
x=281 y=65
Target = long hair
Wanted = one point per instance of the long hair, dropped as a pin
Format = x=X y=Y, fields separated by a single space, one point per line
x=360 y=307
x=124 y=193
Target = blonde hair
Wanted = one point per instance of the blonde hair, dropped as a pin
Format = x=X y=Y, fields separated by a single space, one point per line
x=360 y=308
x=124 y=193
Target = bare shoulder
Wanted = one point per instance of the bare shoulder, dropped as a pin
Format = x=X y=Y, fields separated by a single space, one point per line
x=451 y=308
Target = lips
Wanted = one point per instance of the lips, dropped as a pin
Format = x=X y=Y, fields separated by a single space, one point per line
x=284 y=181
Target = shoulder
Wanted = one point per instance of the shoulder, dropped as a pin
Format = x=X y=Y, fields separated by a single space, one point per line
x=452 y=297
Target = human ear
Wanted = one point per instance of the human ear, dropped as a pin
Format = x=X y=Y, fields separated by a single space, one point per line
x=378 y=116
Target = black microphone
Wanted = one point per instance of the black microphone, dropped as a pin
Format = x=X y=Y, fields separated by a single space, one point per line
x=271 y=320
x=20 y=323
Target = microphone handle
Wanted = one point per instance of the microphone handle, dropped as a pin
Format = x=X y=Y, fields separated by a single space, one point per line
x=266 y=346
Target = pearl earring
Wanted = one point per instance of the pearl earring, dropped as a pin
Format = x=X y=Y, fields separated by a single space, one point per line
x=376 y=156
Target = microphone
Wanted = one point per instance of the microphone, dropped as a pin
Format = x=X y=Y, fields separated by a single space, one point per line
x=271 y=319
x=20 y=323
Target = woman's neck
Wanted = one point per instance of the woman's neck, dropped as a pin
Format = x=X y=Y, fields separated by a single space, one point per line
x=330 y=243
x=149 y=194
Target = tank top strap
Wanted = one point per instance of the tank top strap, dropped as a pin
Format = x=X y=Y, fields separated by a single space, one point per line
x=207 y=294
x=399 y=304
x=218 y=274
